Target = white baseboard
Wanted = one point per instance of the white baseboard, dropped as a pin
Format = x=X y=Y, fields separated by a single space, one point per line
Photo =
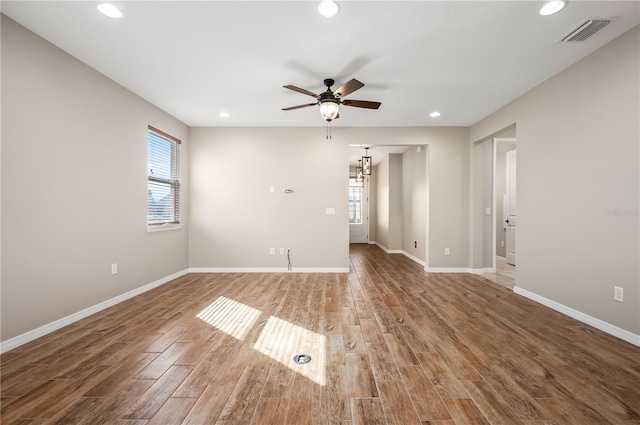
x=459 y=270
x=19 y=340
x=389 y=251
x=268 y=270
x=414 y=258
x=449 y=270
x=625 y=335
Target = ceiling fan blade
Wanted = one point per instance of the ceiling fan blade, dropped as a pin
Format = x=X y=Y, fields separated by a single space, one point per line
x=348 y=87
x=362 y=104
x=291 y=108
x=299 y=90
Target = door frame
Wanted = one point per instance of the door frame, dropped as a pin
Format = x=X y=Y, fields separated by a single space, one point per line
x=365 y=211
x=495 y=142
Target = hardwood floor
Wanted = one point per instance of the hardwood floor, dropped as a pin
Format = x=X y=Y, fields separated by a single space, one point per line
x=390 y=344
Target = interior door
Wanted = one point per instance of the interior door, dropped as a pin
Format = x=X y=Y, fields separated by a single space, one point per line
x=359 y=211
x=511 y=215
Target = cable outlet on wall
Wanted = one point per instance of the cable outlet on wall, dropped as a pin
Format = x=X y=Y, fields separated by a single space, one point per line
x=447 y=251
x=618 y=293
x=114 y=268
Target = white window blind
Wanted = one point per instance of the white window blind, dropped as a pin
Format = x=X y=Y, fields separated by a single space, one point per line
x=163 y=170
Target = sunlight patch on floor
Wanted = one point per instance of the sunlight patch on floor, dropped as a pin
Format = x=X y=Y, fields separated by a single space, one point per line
x=279 y=339
x=231 y=317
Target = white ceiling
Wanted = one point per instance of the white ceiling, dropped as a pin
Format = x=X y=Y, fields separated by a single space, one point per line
x=196 y=59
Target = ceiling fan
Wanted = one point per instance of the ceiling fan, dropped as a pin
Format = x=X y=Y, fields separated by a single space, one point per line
x=330 y=101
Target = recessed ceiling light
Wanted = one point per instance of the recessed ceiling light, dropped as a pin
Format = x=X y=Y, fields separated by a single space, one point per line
x=224 y=114
x=552 y=7
x=110 y=11
x=328 y=8
x=434 y=114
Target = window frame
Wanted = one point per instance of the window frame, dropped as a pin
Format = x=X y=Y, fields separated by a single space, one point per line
x=173 y=182
x=353 y=184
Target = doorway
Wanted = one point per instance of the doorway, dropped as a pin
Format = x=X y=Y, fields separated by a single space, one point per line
x=504 y=207
x=358 y=211
x=395 y=200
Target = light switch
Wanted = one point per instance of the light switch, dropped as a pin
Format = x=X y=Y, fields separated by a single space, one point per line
x=272 y=189
x=330 y=211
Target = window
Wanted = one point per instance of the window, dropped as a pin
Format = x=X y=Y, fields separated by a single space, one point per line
x=163 y=170
x=355 y=202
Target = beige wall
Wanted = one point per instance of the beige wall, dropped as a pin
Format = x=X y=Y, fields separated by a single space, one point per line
x=389 y=206
x=414 y=201
x=372 y=206
x=235 y=219
x=395 y=202
x=578 y=183
x=382 y=223
x=74 y=186
x=227 y=162
x=482 y=197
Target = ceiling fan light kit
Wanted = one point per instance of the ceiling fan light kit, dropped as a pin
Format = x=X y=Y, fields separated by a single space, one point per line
x=329 y=109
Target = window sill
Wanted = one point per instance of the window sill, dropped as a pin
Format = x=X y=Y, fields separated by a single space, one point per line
x=164 y=227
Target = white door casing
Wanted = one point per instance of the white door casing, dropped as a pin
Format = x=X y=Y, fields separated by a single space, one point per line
x=511 y=216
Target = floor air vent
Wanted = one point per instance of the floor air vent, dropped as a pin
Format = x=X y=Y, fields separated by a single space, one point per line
x=585 y=30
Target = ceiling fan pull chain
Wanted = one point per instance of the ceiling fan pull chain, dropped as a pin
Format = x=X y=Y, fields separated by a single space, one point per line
x=329 y=130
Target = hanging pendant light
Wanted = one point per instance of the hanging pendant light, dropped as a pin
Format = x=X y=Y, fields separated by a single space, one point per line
x=359 y=174
x=366 y=163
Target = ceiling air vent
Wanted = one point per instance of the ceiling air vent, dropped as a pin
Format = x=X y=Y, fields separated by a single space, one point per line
x=585 y=30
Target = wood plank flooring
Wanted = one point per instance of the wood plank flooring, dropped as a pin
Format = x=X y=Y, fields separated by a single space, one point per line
x=390 y=345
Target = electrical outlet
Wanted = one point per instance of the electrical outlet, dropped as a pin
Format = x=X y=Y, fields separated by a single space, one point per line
x=618 y=293
x=114 y=268
x=272 y=251
x=487 y=211
x=281 y=251
x=415 y=244
x=447 y=251
x=288 y=251
x=501 y=243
